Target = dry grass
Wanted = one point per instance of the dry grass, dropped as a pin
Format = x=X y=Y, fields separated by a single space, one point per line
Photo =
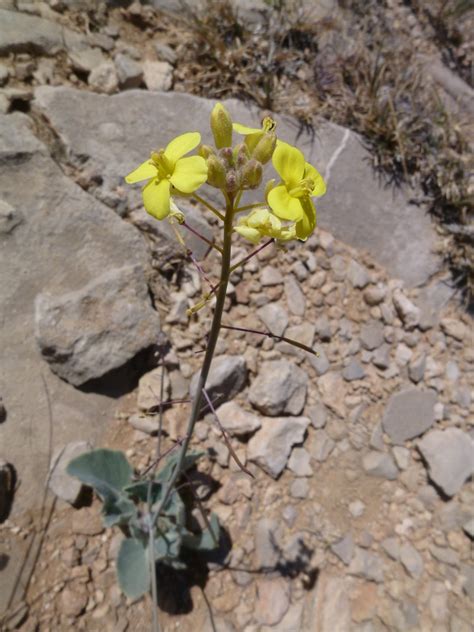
x=357 y=70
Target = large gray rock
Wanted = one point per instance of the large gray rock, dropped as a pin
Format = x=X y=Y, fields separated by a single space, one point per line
x=114 y=133
x=67 y=239
x=86 y=333
x=409 y=414
x=226 y=378
x=271 y=446
x=450 y=458
x=280 y=388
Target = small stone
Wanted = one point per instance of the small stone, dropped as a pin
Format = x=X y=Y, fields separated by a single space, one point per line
x=322 y=446
x=74 y=600
x=375 y=294
x=357 y=275
x=299 y=462
x=87 y=521
x=402 y=456
x=323 y=328
x=178 y=312
x=444 y=555
x=226 y=378
x=367 y=565
x=274 y=317
x=10 y=218
x=411 y=560
x=376 y=438
x=66 y=487
x=289 y=515
x=356 y=508
x=166 y=53
x=391 y=546
x=148 y=425
x=271 y=446
x=149 y=389
x=86 y=59
x=408 y=312
x=454 y=328
x=158 y=75
x=403 y=354
x=381 y=465
x=381 y=357
x=450 y=457
x=179 y=385
x=318 y=415
x=129 y=72
x=294 y=296
x=320 y=362
x=280 y=388
x=267 y=549
x=104 y=78
x=372 y=335
x=237 y=421
x=304 y=334
x=353 y=371
x=468 y=528
x=409 y=414
x=416 y=368
x=333 y=391
x=344 y=549
x=299 y=488
x=273 y=600
x=270 y=276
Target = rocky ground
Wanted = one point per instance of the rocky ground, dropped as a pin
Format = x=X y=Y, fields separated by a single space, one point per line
x=360 y=513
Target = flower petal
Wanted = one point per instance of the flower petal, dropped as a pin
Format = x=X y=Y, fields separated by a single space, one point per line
x=258 y=217
x=283 y=205
x=145 y=171
x=244 y=130
x=189 y=174
x=182 y=145
x=307 y=224
x=252 y=234
x=319 y=184
x=289 y=163
x=156 y=198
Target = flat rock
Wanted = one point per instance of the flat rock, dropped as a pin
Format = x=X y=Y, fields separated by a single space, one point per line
x=344 y=549
x=158 y=75
x=380 y=464
x=450 y=457
x=267 y=547
x=271 y=446
x=279 y=388
x=322 y=445
x=333 y=390
x=294 y=296
x=86 y=333
x=367 y=565
x=353 y=371
x=320 y=362
x=411 y=560
x=357 y=275
x=409 y=313
x=327 y=609
x=22 y=33
x=129 y=72
x=409 y=414
x=372 y=335
x=299 y=462
x=66 y=487
x=10 y=218
x=274 y=317
x=226 y=378
x=237 y=421
x=149 y=389
x=273 y=600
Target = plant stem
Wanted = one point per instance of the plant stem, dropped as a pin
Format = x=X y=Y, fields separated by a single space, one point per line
x=209 y=206
x=211 y=346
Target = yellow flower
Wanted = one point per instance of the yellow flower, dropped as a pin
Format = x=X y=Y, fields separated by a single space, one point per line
x=166 y=169
x=252 y=134
x=291 y=199
x=261 y=223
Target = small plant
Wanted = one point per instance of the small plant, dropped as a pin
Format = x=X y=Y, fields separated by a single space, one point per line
x=150 y=510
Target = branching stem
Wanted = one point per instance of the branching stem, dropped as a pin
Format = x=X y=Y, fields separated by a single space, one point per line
x=209 y=206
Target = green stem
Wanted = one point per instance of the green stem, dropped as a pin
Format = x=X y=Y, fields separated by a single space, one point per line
x=209 y=206
x=249 y=206
x=211 y=346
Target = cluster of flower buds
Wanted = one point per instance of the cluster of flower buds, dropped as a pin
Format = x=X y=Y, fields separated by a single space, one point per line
x=232 y=169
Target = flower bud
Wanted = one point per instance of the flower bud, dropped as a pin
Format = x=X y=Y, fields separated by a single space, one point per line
x=232 y=181
x=205 y=151
x=227 y=156
x=241 y=154
x=251 y=174
x=265 y=147
x=216 y=172
x=221 y=126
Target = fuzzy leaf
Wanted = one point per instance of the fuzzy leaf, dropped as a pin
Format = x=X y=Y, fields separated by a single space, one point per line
x=133 y=568
x=107 y=471
x=167 y=470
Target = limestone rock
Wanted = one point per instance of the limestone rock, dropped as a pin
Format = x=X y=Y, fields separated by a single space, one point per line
x=273 y=600
x=367 y=565
x=411 y=560
x=22 y=33
x=86 y=333
x=454 y=328
x=271 y=446
x=408 y=312
x=299 y=462
x=381 y=465
x=371 y=335
x=129 y=72
x=274 y=317
x=66 y=487
x=86 y=59
x=320 y=362
x=357 y=275
x=344 y=549
x=149 y=389
x=279 y=388
x=409 y=414
x=226 y=378
x=328 y=608
x=237 y=421
x=10 y=218
x=158 y=75
x=353 y=371
x=294 y=296
x=333 y=391
x=267 y=548
x=103 y=78
x=450 y=457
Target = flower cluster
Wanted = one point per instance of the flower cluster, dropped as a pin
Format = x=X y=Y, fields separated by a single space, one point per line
x=288 y=211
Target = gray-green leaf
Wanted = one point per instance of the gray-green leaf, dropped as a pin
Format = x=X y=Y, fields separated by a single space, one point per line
x=133 y=568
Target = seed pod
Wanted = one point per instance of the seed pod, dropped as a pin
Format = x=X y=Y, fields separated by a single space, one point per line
x=221 y=126
x=251 y=174
x=216 y=173
x=265 y=147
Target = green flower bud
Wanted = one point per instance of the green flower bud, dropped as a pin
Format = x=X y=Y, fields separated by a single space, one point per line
x=221 y=126
x=241 y=154
x=251 y=174
x=227 y=156
x=205 y=151
x=265 y=147
x=232 y=181
x=216 y=172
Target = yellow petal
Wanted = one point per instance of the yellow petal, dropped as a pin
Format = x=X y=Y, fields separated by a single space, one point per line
x=145 y=171
x=258 y=217
x=289 y=164
x=244 y=130
x=283 y=205
x=156 y=198
x=189 y=174
x=317 y=178
x=252 y=234
x=307 y=224
x=182 y=145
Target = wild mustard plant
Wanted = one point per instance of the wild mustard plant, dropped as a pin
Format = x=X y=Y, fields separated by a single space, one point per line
x=150 y=510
